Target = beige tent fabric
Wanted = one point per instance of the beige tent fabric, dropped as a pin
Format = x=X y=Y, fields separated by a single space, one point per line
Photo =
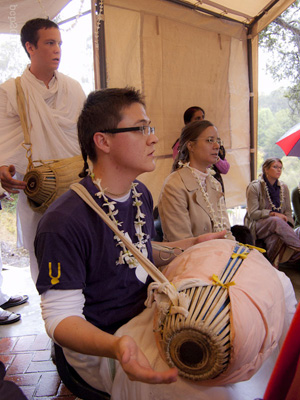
x=14 y=13
x=179 y=57
x=181 y=65
x=123 y=52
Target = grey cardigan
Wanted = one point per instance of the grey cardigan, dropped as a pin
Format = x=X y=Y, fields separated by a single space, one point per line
x=258 y=205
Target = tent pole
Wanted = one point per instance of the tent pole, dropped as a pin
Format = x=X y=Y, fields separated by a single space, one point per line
x=251 y=108
x=99 y=44
x=200 y=9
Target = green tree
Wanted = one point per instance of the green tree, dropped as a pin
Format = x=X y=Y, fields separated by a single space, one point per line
x=282 y=41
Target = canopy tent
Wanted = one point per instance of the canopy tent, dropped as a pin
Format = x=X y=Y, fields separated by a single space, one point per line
x=179 y=53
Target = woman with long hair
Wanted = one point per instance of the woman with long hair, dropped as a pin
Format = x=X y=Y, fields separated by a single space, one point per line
x=221 y=166
x=192 y=201
x=269 y=214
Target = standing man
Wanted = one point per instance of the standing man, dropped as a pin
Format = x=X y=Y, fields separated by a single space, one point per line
x=54 y=102
x=89 y=284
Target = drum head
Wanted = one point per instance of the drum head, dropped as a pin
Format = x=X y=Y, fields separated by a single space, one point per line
x=41 y=187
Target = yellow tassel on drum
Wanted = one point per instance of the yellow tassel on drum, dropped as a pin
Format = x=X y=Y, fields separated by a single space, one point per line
x=250 y=246
x=219 y=283
x=240 y=255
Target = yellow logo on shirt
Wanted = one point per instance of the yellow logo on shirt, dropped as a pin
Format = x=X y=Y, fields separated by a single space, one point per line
x=54 y=279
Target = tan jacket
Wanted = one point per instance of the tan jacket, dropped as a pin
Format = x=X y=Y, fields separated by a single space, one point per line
x=258 y=206
x=182 y=209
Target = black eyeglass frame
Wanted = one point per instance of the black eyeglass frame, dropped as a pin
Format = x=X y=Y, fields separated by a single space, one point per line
x=151 y=130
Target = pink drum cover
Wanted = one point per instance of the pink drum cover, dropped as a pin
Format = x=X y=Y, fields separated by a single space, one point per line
x=257 y=303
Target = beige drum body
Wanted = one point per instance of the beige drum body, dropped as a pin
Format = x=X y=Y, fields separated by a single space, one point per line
x=48 y=181
x=235 y=313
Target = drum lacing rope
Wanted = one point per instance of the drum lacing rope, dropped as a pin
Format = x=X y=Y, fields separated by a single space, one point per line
x=179 y=303
x=237 y=257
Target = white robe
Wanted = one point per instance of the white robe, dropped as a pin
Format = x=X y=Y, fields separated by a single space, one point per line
x=52 y=120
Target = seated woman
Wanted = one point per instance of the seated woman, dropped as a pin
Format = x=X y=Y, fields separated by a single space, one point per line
x=269 y=214
x=192 y=114
x=296 y=205
x=192 y=201
x=221 y=166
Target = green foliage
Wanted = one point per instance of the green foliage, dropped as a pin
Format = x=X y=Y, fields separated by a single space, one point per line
x=281 y=39
x=10 y=205
x=291 y=171
x=274 y=120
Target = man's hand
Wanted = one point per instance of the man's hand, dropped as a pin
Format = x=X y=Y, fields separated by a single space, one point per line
x=184 y=244
x=210 y=236
x=7 y=181
x=136 y=365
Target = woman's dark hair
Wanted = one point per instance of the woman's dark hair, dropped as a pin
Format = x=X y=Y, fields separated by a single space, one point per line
x=102 y=110
x=269 y=161
x=189 y=113
x=189 y=133
x=29 y=32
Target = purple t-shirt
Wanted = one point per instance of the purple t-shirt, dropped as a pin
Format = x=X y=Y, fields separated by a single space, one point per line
x=75 y=245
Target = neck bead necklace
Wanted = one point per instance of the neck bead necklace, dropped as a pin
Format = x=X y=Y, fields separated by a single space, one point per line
x=274 y=208
x=218 y=222
x=125 y=255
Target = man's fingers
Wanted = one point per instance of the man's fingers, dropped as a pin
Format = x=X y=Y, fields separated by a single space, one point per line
x=12 y=170
x=138 y=368
x=136 y=372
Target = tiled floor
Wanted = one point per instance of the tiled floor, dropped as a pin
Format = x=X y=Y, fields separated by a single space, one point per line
x=29 y=365
x=25 y=347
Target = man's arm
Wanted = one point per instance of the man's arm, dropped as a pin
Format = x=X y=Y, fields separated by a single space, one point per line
x=62 y=311
x=162 y=258
x=79 y=335
x=7 y=181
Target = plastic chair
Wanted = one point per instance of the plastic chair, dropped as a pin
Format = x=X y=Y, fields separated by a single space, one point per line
x=73 y=381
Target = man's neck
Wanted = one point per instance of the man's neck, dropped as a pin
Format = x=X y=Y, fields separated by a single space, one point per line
x=44 y=76
x=117 y=184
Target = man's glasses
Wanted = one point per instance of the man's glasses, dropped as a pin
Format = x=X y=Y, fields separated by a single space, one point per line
x=145 y=130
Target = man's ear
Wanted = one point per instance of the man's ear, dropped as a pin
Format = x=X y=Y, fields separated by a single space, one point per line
x=102 y=142
x=30 y=47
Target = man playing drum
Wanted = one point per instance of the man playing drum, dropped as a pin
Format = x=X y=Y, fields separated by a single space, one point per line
x=90 y=285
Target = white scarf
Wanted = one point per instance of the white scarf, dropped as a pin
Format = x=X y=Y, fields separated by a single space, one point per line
x=52 y=122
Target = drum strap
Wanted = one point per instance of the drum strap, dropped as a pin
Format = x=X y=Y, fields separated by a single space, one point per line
x=21 y=101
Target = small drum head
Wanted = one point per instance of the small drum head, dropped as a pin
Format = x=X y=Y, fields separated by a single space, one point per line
x=41 y=186
x=196 y=354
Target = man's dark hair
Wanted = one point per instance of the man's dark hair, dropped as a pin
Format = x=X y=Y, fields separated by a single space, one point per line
x=102 y=110
x=29 y=32
x=242 y=234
